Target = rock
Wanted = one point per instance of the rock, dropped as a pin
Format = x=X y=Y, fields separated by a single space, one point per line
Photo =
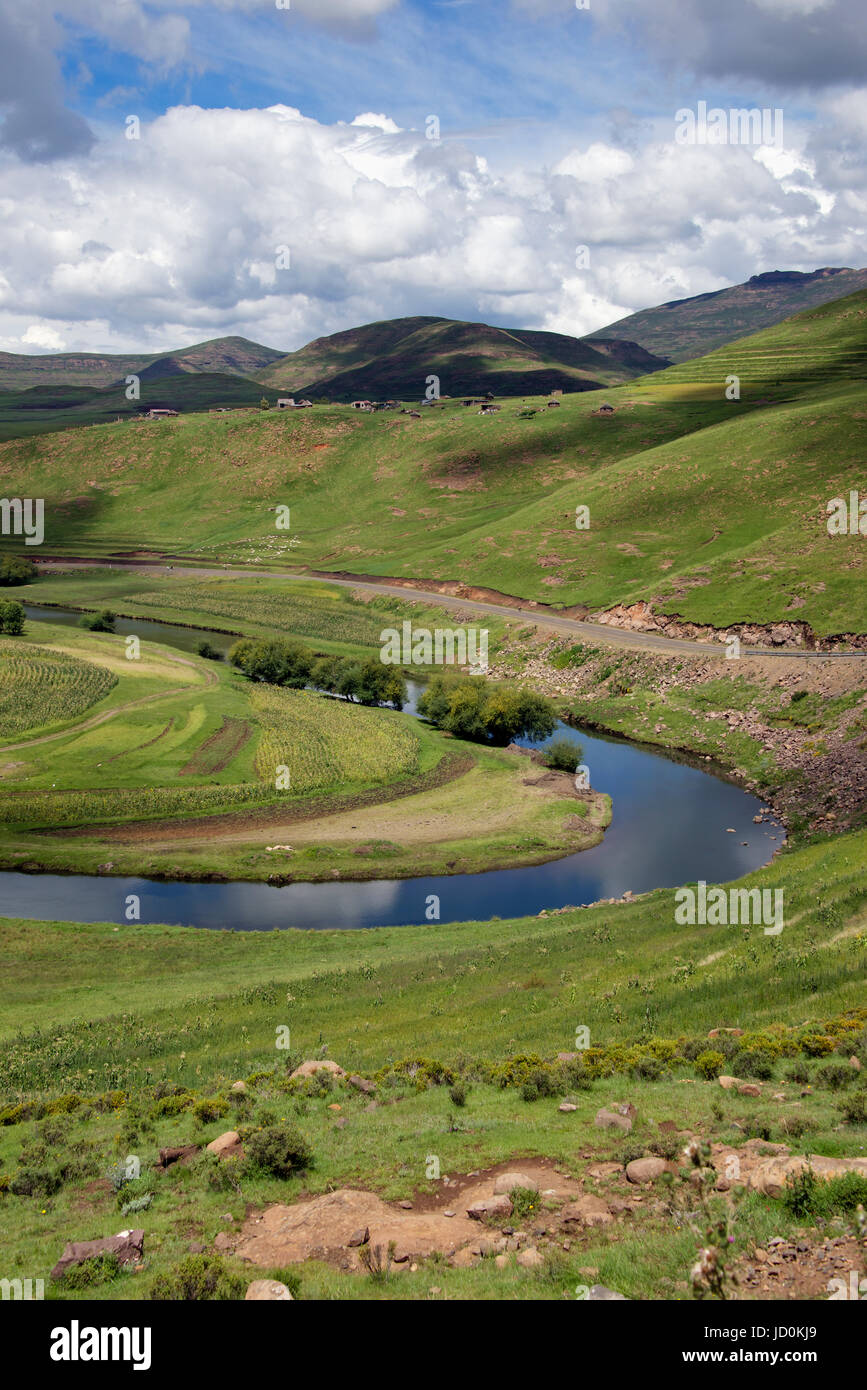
x=240 y=1089
x=854 y=1064
x=749 y=1088
x=604 y=1170
x=360 y=1237
x=587 y=1211
x=180 y=1155
x=772 y=1174
x=310 y=1068
x=645 y=1169
x=362 y=1084
x=490 y=1206
x=196 y=1247
x=608 y=1119
x=225 y=1143
x=566 y=1107
x=502 y=1261
x=405 y=1206
x=530 y=1258
x=267 y=1291
x=464 y=1259
x=732 y=1032
x=225 y=1241
x=599 y=1294
x=507 y=1181
x=728 y=1083
x=128 y=1246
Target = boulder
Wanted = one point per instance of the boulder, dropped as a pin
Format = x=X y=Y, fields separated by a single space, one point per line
x=362 y=1084
x=128 y=1246
x=490 y=1206
x=225 y=1144
x=507 y=1181
x=180 y=1155
x=728 y=1083
x=599 y=1294
x=645 y=1169
x=609 y=1119
x=464 y=1259
x=311 y=1067
x=749 y=1088
x=240 y=1088
x=854 y=1063
x=267 y=1291
x=359 y=1237
x=772 y=1174
x=566 y=1107
x=530 y=1258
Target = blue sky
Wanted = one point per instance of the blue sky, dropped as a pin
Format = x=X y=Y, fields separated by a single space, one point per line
x=557 y=129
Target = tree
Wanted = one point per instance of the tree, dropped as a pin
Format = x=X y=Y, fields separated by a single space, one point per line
x=264 y=403
x=99 y=622
x=11 y=619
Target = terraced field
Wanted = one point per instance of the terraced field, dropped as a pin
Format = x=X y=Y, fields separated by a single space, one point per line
x=323 y=741
x=39 y=687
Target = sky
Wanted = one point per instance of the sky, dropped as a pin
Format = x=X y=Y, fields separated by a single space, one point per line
x=283 y=169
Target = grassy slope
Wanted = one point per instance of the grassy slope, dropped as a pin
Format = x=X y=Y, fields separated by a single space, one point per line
x=492 y=500
x=686 y=328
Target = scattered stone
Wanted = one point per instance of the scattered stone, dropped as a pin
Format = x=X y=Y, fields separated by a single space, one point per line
x=599 y=1294
x=240 y=1088
x=854 y=1063
x=749 y=1088
x=728 y=1083
x=587 y=1211
x=566 y=1107
x=362 y=1084
x=464 y=1259
x=180 y=1155
x=530 y=1258
x=360 y=1237
x=405 y=1206
x=267 y=1291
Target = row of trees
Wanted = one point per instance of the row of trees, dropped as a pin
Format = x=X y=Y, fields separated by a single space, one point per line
x=11 y=619
x=473 y=708
x=280 y=662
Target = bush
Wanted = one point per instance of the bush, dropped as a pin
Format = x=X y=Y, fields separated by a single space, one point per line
x=854 y=1108
x=473 y=708
x=99 y=1269
x=458 y=1094
x=709 y=1064
x=16 y=569
x=99 y=622
x=835 y=1076
x=529 y=1091
x=11 y=619
x=755 y=1064
x=564 y=755
x=525 y=1204
x=648 y=1069
x=799 y=1074
x=279 y=1150
x=210 y=1108
x=198 y=1278
x=210 y=653
x=807 y=1197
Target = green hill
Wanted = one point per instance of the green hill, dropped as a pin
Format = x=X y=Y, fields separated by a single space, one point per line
x=233 y=356
x=395 y=358
x=709 y=508
x=686 y=328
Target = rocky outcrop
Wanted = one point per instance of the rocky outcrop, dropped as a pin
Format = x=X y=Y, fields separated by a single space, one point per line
x=126 y=1246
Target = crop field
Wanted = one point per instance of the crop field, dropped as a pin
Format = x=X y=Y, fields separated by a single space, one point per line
x=39 y=687
x=307 y=614
x=323 y=741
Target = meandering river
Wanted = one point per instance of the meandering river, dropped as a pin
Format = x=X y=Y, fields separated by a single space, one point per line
x=672 y=824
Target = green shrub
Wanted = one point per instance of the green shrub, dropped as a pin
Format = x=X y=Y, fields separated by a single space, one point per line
x=99 y=1269
x=525 y=1204
x=279 y=1150
x=563 y=754
x=806 y=1196
x=458 y=1094
x=854 y=1108
x=709 y=1064
x=198 y=1278
x=755 y=1064
x=835 y=1076
x=799 y=1074
x=210 y=1108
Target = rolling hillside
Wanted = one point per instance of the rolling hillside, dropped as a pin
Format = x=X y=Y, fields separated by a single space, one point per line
x=712 y=509
x=686 y=328
x=232 y=356
x=395 y=359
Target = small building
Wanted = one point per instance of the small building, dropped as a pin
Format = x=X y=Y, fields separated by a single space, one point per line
x=303 y=405
x=286 y=403
x=606 y=409
x=361 y=405
x=552 y=403
x=160 y=413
